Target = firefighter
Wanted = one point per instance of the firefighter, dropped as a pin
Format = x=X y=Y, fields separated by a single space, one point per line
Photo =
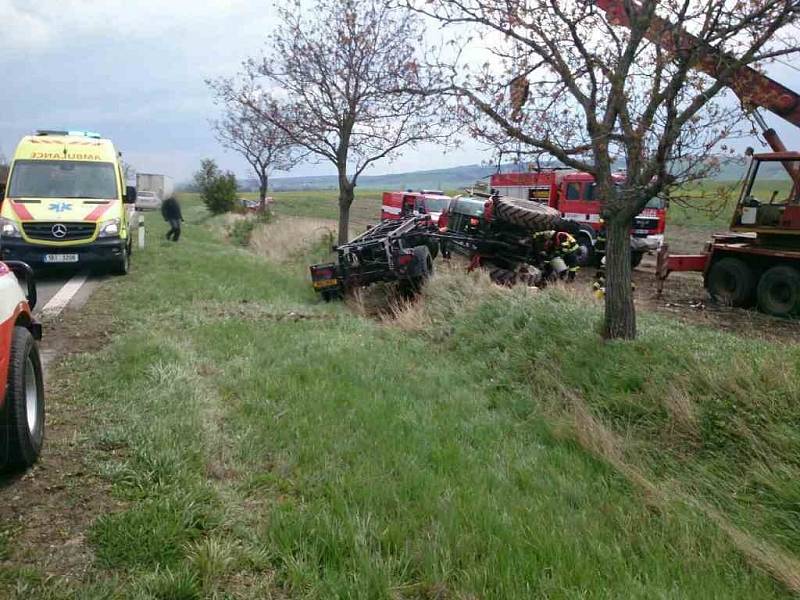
x=558 y=252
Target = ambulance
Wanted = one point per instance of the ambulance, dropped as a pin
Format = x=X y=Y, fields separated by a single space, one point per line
x=66 y=203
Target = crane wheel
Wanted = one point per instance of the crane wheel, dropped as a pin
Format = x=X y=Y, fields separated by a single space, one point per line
x=732 y=282
x=779 y=291
x=528 y=215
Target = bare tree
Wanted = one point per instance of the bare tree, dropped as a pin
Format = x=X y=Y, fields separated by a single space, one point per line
x=248 y=128
x=128 y=170
x=587 y=86
x=341 y=68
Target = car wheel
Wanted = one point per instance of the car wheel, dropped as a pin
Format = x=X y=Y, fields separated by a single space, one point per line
x=636 y=258
x=24 y=402
x=123 y=263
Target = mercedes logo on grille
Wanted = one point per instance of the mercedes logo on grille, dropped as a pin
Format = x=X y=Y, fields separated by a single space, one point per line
x=59 y=231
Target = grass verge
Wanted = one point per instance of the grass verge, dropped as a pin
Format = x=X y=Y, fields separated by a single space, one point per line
x=268 y=445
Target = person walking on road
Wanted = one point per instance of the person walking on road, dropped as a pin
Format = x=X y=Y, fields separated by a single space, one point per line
x=171 y=211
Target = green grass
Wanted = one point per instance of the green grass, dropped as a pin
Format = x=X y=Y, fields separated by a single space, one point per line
x=275 y=446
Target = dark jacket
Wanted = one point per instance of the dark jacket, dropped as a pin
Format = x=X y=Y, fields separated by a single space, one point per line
x=170 y=209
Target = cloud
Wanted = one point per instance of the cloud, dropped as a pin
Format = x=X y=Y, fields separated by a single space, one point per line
x=41 y=25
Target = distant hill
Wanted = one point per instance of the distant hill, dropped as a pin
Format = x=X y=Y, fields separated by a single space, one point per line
x=442 y=179
x=456 y=178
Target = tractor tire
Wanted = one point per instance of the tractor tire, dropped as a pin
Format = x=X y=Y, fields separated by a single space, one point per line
x=586 y=254
x=529 y=215
x=509 y=278
x=504 y=277
x=411 y=286
x=732 y=282
x=331 y=295
x=424 y=262
x=779 y=292
x=23 y=412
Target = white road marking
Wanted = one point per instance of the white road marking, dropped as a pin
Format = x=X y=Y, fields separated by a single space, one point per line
x=62 y=297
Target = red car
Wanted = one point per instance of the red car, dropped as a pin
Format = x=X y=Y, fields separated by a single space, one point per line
x=22 y=431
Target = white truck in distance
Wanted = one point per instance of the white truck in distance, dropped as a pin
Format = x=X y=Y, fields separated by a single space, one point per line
x=152 y=190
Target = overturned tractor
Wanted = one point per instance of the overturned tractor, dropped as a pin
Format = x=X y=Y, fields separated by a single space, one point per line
x=502 y=235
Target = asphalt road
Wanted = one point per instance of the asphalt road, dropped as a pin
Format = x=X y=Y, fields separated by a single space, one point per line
x=59 y=289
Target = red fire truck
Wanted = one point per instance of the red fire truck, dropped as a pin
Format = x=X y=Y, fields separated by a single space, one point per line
x=397 y=205
x=572 y=193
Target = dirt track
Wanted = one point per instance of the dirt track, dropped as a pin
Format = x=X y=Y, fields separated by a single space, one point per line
x=685 y=299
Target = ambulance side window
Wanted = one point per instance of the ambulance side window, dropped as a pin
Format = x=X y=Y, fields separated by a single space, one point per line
x=588 y=191
x=573 y=191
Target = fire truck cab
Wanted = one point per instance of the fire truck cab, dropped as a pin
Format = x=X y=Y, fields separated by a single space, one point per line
x=572 y=193
x=398 y=205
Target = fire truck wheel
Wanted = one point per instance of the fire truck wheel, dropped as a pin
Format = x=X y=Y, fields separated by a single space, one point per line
x=24 y=404
x=636 y=258
x=732 y=282
x=779 y=291
x=527 y=214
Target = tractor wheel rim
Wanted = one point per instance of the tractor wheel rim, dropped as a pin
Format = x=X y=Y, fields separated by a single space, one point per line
x=31 y=396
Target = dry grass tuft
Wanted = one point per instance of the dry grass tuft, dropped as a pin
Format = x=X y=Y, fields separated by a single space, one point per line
x=682 y=411
x=600 y=441
x=288 y=237
x=761 y=554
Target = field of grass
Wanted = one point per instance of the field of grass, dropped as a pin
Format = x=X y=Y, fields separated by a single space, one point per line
x=484 y=443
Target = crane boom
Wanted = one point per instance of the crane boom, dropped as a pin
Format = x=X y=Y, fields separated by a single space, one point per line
x=754 y=89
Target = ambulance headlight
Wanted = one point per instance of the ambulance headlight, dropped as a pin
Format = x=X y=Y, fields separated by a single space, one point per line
x=109 y=228
x=9 y=228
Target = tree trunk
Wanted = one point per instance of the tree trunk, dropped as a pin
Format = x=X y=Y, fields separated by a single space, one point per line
x=346 y=196
x=262 y=194
x=620 y=316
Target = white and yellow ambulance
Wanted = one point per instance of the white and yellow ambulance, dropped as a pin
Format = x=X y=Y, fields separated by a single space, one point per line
x=66 y=203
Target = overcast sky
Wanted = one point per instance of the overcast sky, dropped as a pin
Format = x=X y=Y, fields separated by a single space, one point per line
x=135 y=71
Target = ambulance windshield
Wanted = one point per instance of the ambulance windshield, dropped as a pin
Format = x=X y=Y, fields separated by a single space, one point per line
x=62 y=179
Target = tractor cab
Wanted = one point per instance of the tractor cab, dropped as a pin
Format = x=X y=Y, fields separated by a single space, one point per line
x=770 y=199
x=467 y=215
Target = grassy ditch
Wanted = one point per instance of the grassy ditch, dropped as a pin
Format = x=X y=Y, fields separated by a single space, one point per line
x=481 y=444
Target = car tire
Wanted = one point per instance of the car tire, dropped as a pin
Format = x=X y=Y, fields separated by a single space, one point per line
x=527 y=214
x=779 y=291
x=23 y=410
x=122 y=266
x=636 y=258
x=732 y=281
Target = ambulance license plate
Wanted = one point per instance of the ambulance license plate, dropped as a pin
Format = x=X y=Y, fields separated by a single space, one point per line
x=60 y=258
